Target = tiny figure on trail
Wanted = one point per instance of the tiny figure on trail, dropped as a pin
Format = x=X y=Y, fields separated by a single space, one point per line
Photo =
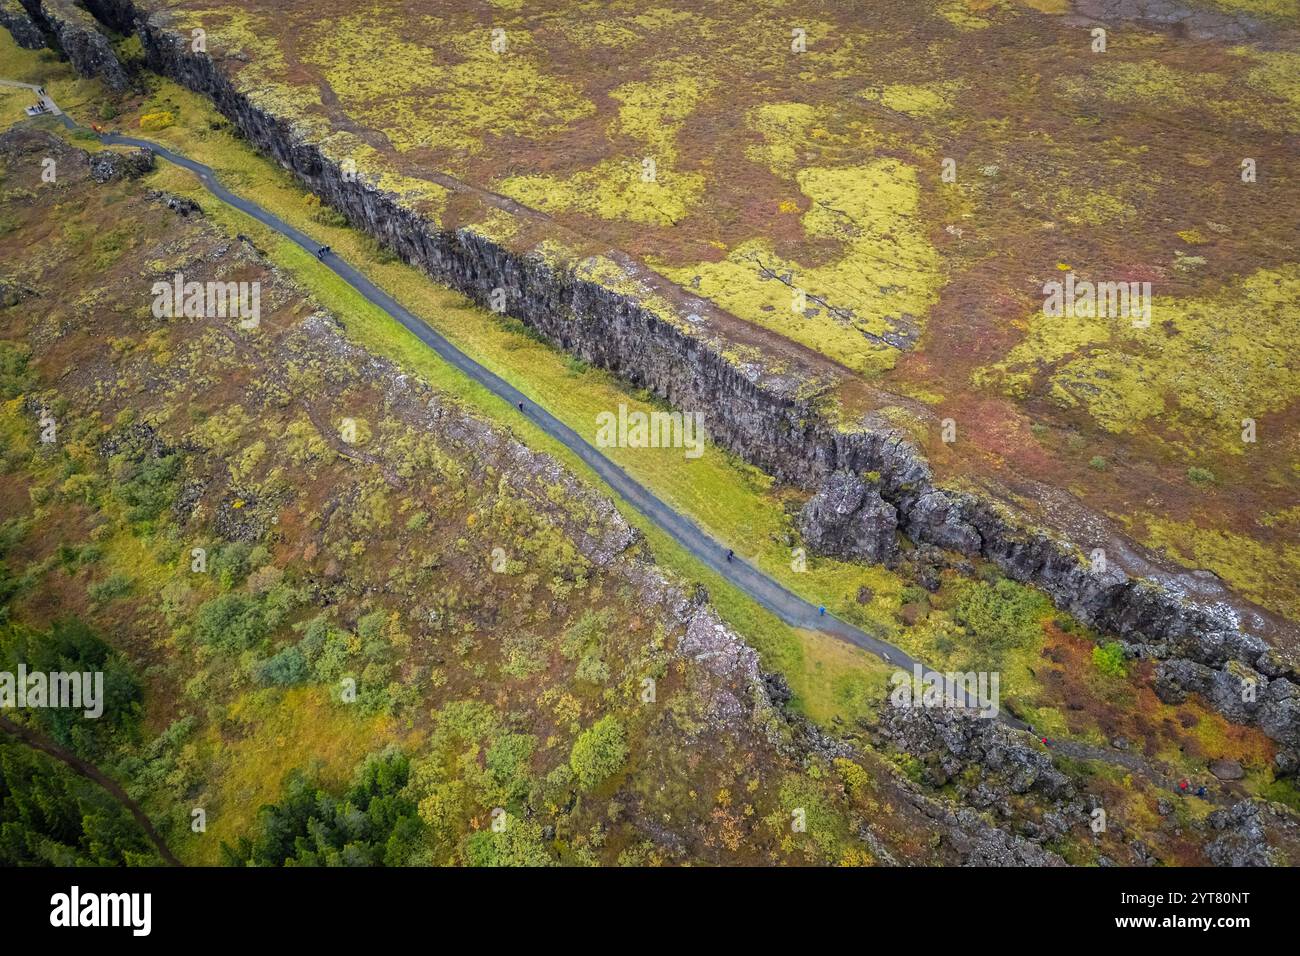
x=521 y=405
x=320 y=253
x=730 y=554
x=1200 y=791
x=821 y=610
x=1182 y=785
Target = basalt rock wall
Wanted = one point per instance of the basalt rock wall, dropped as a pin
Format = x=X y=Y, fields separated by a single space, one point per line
x=20 y=25
x=72 y=31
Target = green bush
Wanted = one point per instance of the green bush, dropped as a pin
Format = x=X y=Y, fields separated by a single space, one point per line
x=239 y=622
x=15 y=377
x=1109 y=659
x=519 y=843
x=230 y=621
x=913 y=594
x=592 y=669
x=507 y=761
x=73 y=557
x=148 y=485
x=113 y=586
x=598 y=752
x=585 y=635
x=1002 y=615
x=233 y=562
x=285 y=669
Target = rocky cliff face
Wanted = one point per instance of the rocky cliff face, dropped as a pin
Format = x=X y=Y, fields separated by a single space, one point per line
x=1242 y=694
x=20 y=25
x=764 y=420
x=72 y=31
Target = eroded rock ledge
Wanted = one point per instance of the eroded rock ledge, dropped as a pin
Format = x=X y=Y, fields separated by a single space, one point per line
x=764 y=420
x=74 y=32
x=20 y=25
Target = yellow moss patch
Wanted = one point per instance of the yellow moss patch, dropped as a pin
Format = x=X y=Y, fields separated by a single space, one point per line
x=652 y=111
x=885 y=282
x=1267 y=574
x=1106 y=207
x=427 y=101
x=964 y=13
x=784 y=127
x=1211 y=361
x=616 y=190
x=926 y=100
x=644 y=188
x=1278 y=75
x=1145 y=82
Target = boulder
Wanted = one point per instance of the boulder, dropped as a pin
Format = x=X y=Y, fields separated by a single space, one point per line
x=1242 y=841
x=177 y=204
x=1227 y=769
x=848 y=519
x=1279 y=712
x=935 y=520
x=1285 y=762
x=12 y=292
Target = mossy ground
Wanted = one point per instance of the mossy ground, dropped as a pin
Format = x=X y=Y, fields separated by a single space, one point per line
x=733 y=501
x=241 y=662
x=831 y=681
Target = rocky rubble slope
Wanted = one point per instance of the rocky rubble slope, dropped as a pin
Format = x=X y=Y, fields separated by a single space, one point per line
x=999 y=772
